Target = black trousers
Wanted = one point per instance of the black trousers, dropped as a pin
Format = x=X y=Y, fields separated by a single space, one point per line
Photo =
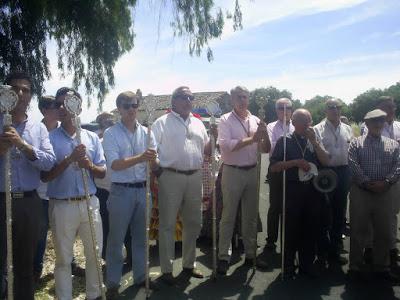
x=275 y=206
x=26 y=215
x=303 y=204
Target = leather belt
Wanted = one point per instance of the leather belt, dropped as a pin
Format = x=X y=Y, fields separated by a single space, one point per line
x=135 y=185
x=187 y=172
x=78 y=198
x=19 y=195
x=246 y=168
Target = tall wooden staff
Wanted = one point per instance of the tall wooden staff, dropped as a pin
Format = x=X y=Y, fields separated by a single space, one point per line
x=8 y=100
x=150 y=106
x=261 y=115
x=74 y=106
x=284 y=194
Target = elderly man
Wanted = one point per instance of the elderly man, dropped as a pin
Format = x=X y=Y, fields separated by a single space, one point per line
x=31 y=152
x=375 y=166
x=127 y=152
x=240 y=136
x=182 y=141
x=336 y=137
x=275 y=131
x=303 y=154
x=68 y=212
x=391 y=129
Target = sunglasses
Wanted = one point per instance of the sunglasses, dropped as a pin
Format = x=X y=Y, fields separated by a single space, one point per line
x=53 y=105
x=332 y=107
x=127 y=106
x=185 y=97
x=283 y=108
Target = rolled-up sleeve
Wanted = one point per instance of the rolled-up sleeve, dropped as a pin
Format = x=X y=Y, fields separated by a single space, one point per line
x=45 y=158
x=394 y=174
x=225 y=140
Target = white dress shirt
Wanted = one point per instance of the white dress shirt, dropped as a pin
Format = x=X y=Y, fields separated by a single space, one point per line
x=275 y=131
x=180 y=142
x=336 y=141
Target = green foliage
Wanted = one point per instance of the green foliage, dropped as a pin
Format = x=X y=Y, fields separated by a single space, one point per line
x=266 y=97
x=369 y=99
x=91 y=35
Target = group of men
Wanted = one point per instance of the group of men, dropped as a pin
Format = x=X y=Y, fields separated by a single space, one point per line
x=50 y=152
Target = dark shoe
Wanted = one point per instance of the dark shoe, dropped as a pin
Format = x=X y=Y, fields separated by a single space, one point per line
x=168 y=278
x=288 y=275
x=223 y=266
x=77 y=270
x=36 y=277
x=260 y=263
x=338 y=260
x=387 y=277
x=358 y=276
x=270 y=246
x=309 y=271
x=321 y=263
x=112 y=293
x=193 y=272
x=152 y=286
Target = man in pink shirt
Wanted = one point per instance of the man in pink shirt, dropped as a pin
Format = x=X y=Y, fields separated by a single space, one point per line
x=240 y=135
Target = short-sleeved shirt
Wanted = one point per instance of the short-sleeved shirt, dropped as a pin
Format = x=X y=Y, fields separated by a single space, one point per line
x=336 y=141
x=180 y=143
x=231 y=130
x=25 y=174
x=69 y=183
x=295 y=145
x=119 y=143
x=275 y=131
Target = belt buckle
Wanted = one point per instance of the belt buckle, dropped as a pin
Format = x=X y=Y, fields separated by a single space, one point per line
x=17 y=195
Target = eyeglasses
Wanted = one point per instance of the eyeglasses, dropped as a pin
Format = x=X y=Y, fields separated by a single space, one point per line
x=52 y=105
x=127 y=106
x=332 y=107
x=283 y=108
x=185 y=97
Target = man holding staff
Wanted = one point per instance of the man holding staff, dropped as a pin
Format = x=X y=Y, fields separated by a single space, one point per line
x=31 y=152
x=240 y=135
x=126 y=149
x=68 y=212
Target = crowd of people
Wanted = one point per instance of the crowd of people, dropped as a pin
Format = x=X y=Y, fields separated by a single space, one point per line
x=48 y=191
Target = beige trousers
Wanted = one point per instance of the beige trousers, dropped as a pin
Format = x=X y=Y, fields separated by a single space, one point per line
x=368 y=209
x=179 y=193
x=238 y=186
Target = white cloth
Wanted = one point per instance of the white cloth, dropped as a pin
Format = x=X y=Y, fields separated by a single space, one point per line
x=180 y=143
x=336 y=141
x=67 y=220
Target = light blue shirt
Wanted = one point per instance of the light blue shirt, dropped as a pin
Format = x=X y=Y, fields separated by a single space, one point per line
x=69 y=183
x=119 y=143
x=25 y=174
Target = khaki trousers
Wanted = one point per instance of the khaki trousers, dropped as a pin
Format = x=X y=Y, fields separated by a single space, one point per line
x=179 y=193
x=238 y=186
x=368 y=209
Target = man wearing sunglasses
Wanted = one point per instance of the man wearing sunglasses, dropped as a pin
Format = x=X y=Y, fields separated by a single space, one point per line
x=127 y=152
x=335 y=137
x=31 y=152
x=68 y=214
x=275 y=131
x=182 y=142
x=375 y=167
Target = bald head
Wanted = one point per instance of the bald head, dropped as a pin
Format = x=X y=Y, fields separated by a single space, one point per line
x=301 y=120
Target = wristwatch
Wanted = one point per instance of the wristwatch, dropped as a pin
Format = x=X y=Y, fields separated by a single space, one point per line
x=387 y=181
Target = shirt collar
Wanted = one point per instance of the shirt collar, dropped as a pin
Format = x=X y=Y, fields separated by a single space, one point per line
x=179 y=116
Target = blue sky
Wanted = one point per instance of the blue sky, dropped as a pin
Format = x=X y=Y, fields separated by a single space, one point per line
x=309 y=47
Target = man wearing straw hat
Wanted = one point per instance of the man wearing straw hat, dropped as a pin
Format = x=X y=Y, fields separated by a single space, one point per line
x=68 y=212
x=182 y=141
x=239 y=135
x=126 y=150
x=375 y=165
x=31 y=152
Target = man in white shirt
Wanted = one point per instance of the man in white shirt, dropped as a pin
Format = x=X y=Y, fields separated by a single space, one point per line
x=182 y=141
x=275 y=131
x=336 y=137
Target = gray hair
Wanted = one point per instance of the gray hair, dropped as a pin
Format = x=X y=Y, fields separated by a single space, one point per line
x=282 y=100
x=239 y=89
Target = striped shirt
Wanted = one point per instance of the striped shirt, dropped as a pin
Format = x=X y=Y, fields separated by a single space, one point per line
x=374 y=159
